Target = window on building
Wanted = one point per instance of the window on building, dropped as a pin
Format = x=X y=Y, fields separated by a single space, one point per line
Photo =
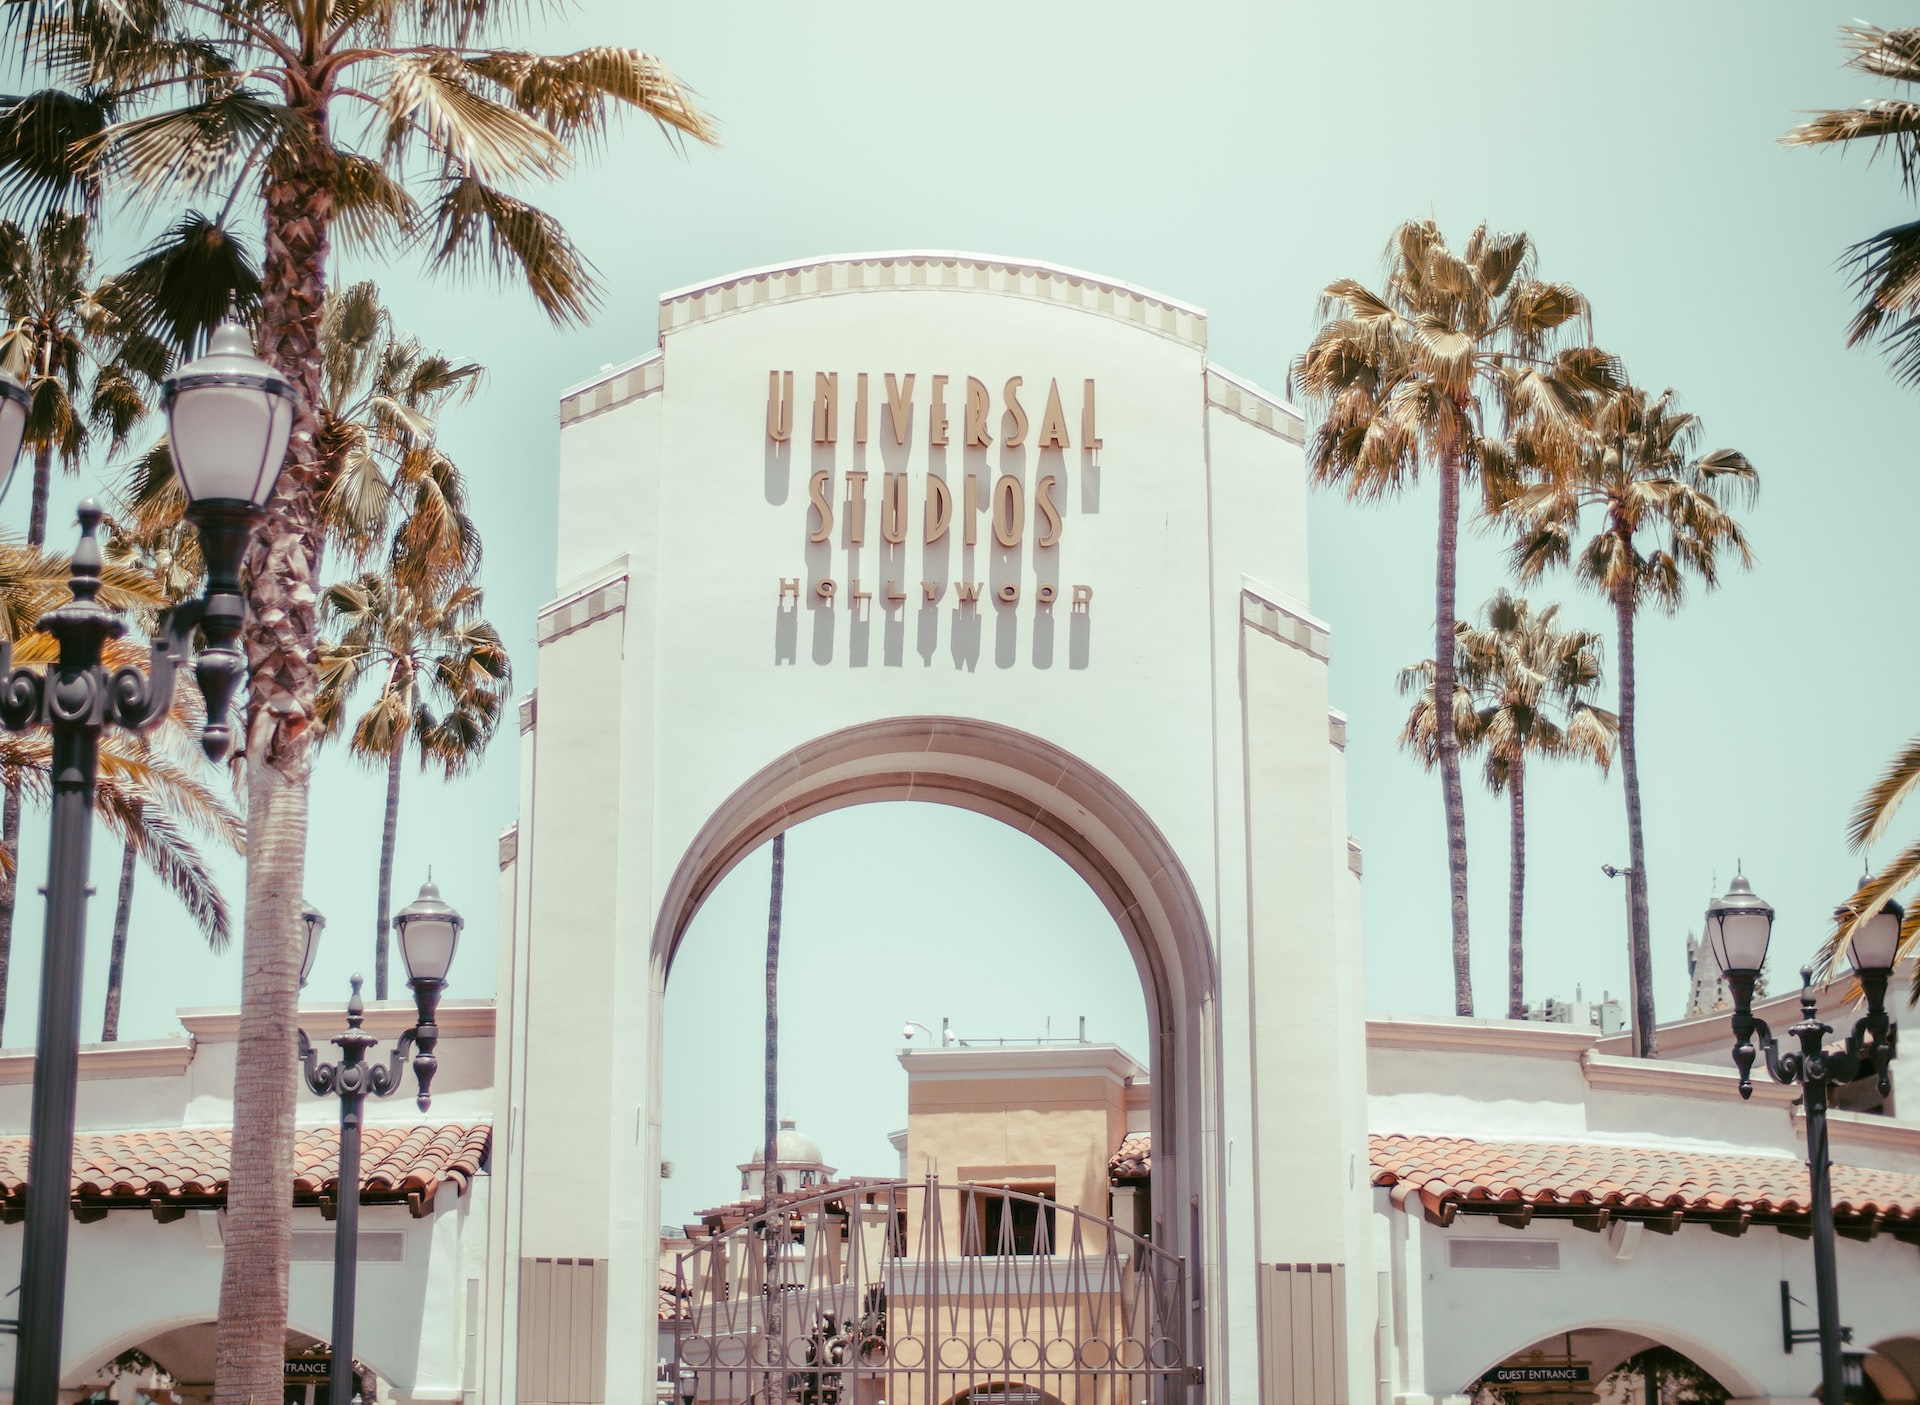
x=1008 y=1220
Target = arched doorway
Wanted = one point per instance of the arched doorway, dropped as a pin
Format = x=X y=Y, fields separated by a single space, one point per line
x=1610 y=1365
x=1049 y=795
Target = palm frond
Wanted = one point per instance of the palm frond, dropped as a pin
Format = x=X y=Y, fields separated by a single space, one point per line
x=184 y=282
x=476 y=226
x=573 y=95
x=1882 y=801
x=44 y=146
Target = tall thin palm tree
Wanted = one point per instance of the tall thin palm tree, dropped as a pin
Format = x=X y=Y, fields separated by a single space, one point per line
x=1422 y=377
x=382 y=125
x=1662 y=513
x=1885 y=267
x=68 y=338
x=440 y=676
x=1523 y=694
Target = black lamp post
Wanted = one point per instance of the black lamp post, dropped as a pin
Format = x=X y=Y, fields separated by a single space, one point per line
x=1739 y=927
x=429 y=931
x=229 y=415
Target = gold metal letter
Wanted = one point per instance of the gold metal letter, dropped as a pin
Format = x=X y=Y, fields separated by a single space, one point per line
x=899 y=406
x=826 y=406
x=856 y=507
x=856 y=595
x=817 y=498
x=894 y=592
x=979 y=406
x=893 y=507
x=1044 y=504
x=970 y=505
x=1089 y=436
x=1009 y=511
x=1053 y=424
x=825 y=589
x=1014 y=408
x=932 y=589
x=1044 y=594
x=860 y=408
x=939 y=507
x=789 y=585
x=937 y=414
x=1010 y=593
x=968 y=591
x=779 y=406
x=1082 y=596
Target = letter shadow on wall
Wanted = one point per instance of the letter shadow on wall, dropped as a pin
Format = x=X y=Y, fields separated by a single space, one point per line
x=820 y=568
x=1079 y=637
x=779 y=472
x=1006 y=634
x=786 y=631
x=964 y=635
x=893 y=633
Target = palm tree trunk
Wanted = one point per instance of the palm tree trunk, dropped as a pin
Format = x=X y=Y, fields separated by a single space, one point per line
x=380 y=922
x=1449 y=741
x=117 y=959
x=9 y=884
x=1639 y=945
x=282 y=565
x=10 y=807
x=1516 y=884
x=42 y=489
x=768 y=1149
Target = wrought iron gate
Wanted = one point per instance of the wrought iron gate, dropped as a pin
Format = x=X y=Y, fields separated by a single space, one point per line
x=904 y=1293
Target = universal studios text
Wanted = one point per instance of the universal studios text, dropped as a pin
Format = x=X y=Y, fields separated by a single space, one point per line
x=887 y=404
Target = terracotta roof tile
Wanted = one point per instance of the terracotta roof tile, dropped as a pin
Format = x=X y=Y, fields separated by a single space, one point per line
x=178 y=1166
x=1448 y=1173
x=1134 y=1159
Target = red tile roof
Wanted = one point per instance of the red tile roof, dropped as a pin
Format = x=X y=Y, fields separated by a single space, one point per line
x=1444 y=1175
x=1134 y=1159
x=173 y=1169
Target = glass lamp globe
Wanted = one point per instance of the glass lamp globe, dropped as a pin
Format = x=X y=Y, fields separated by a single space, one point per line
x=228 y=418
x=1739 y=926
x=1877 y=940
x=14 y=402
x=314 y=924
x=429 y=931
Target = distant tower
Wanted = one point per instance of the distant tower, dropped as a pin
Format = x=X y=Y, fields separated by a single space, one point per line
x=796 y=1161
x=1709 y=986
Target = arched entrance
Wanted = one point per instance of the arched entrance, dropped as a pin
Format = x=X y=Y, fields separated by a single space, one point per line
x=981 y=532
x=1049 y=795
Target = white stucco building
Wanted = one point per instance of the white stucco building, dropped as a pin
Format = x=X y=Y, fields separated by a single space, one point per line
x=996 y=534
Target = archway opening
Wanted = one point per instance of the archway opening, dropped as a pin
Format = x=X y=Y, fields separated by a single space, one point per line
x=174 y=1365
x=1604 y=1366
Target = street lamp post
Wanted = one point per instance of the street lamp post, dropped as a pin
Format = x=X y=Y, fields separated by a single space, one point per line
x=229 y=415
x=429 y=931
x=1739 y=927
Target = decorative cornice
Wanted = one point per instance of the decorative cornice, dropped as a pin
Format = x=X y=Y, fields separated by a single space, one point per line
x=646 y=376
x=143 y=1058
x=1021 y=1061
x=509 y=844
x=1354 y=865
x=1288 y=624
x=1478 y=1036
x=581 y=609
x=1245 y=400
x=1337 y=729
x=1611 y=1073
x=934 y=270
x=458 y=1019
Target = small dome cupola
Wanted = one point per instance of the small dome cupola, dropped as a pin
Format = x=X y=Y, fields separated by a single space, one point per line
x=797 y=1160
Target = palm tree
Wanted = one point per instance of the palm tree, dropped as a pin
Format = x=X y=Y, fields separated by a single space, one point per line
x=390 y=124
x=1885 y=267
x=1425 y=375
x=1522 y=693
x=67 y=338
x=441 y=676
x=1664 y=515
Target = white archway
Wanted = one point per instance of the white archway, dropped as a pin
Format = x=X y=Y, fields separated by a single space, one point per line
x=1047 y=793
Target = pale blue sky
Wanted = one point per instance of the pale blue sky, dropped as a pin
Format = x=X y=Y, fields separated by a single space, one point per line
x=1239 y=157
